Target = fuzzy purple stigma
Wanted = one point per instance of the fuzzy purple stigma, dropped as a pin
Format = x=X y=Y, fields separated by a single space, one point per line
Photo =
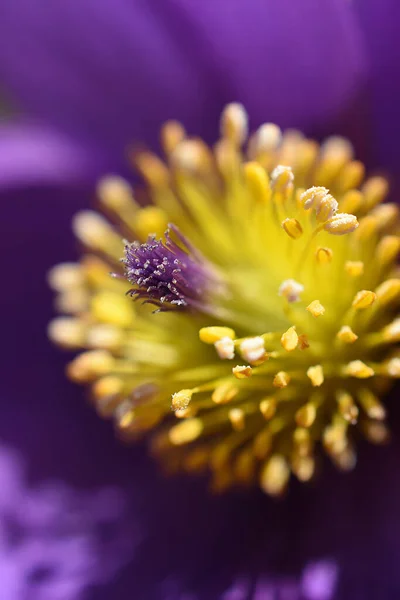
x=170 y=274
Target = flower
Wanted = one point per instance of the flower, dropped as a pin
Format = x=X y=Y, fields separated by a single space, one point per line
x=256 y=382
x=195 y=545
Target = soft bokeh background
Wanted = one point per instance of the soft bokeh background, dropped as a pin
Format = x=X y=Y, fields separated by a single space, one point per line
x=81 y=516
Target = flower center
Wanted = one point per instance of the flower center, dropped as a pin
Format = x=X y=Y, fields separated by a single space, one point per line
x=278 y=318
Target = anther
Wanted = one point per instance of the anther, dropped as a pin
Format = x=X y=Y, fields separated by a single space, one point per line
x=315 y=308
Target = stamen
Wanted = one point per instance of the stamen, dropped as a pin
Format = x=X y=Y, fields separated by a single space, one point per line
x=355 y=268
x=290 y=339
x=210 y=335
x=252 y=349
x=323 y=255
x=341 y=224
x=316 y=375
x=346 y=335
x=292 y=228
x=291 y=290
x=363 y=299
x=315 y=308
x=275 y=475
x=181 y=400
x=281 y=379
x=225 y=348
x=242 y=371
x=356 y=368
x=234 y=123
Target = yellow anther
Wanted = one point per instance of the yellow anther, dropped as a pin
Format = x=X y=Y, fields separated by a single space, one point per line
x=152 y=169
x=302 y=441
x=68 y=332
x=181 y=399
x=105 y=336
x=388 y=291
x=112 y=308
x=375 y=189
x=392 y=331
x=363 y=299
x=346 y=335
x=225 y=348
x=306 y=415
x=225 y=392
x=268 y=407
x=91 y=229
x=257 y=181
x=66 y=276
x=237 y=419
x=303 y=467
x=107 y=386
x=392 y=367
x=267 y=137
x=275 y=475
x=281 y=379
x=282 y=179
x=313 y=197
x=185 y=432
x=290 y=339
x=387 y=250
x=316 y=375
x=356 y=368
x=292 y=228
x=386 y=214
x=210 y=335
x=315 y=308
x=347 y=408
x=150 y=220
x=252 y=349
x=341 y=223
x=323 y=255
x=115 y=193
x=242 y=371
x=172 y=134
x=90 y=365
x=291 y=290
x=355 y=268
x=234 y=123
x=371 y=404
x=326 y=209
x=190 y=155
x=351 y=202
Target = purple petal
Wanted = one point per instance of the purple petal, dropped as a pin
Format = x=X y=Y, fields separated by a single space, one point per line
x=112 y=71
x=31 y=154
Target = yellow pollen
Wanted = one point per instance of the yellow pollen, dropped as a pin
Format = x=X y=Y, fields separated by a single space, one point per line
x=316 y=375
x=346 y=335
x=356 y=368
x=341 y=224
x=115 y=193
x=363 y=299
x=355 y=268
x=281 y=380
x=225 y=348
x=292 y=228
x=282 y=179
x=90 y=365
x=290 y=339
x=315 y=308
x=242 y=371
x=252 y=349
x=180 y=400
x=210 y=335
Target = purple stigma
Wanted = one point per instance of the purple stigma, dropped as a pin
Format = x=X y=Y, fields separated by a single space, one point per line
x=169 y=274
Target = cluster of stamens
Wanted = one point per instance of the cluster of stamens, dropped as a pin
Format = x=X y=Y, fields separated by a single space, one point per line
x=286 y=323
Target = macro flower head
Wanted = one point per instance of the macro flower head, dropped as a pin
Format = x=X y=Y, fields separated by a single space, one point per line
x=271 y=261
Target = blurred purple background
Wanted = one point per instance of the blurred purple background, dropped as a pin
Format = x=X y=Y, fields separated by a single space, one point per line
x=81 y=516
